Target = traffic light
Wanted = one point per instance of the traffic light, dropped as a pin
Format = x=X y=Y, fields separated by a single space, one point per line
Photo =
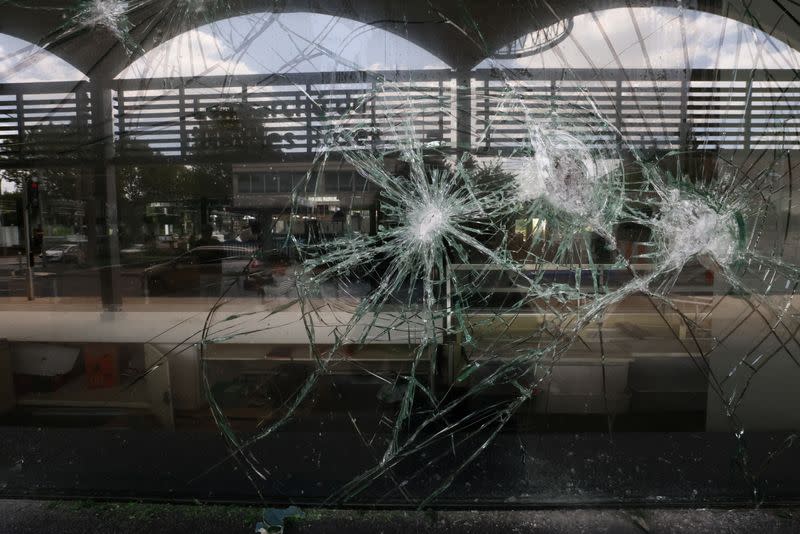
x=33 y=194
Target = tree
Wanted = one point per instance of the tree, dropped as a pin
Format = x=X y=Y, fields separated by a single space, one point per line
x=153 y=182
x=54 y=147
x=226 y=133
x=64 y=158
x=235 y=130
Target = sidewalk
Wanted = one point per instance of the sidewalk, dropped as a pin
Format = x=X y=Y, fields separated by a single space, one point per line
x=80 y=517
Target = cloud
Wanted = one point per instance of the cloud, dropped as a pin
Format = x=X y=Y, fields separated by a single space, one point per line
x=21 y=61
x=305 y=42
x=259 y=43
x=193 y=53
x=662 y=40
x=7 y=186
x=284 y=43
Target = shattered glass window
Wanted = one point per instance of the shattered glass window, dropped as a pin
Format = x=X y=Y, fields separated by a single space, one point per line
x=427 y=254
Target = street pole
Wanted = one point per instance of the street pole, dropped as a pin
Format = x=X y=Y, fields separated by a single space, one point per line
x=26 y=222
x=40 y=225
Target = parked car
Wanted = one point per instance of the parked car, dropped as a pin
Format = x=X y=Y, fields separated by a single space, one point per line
x=207 y=269
x=68 y=253
x=138 y=248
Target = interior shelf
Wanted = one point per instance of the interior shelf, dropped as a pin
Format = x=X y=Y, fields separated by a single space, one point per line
x=77 y=394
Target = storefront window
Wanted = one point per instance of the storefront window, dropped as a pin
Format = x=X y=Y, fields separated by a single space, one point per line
x=400 y=254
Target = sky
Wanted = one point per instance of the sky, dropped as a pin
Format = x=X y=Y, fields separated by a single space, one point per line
x=302 y=42
x=712 y=41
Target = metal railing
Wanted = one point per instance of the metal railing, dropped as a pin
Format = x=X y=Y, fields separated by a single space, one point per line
x=280 y=117
x=648 y=109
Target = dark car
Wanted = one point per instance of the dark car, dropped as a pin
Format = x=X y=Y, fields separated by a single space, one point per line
x=67 y=253
x=207 y=270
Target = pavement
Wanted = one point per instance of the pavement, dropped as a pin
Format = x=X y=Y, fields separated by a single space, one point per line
x=81 y=517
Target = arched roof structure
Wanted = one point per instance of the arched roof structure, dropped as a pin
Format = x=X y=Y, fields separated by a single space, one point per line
x=269 y=43
x=460 y=32
x=641 y=38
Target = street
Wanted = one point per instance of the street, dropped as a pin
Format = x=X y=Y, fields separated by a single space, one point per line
x=57 y=279
x=63 y=280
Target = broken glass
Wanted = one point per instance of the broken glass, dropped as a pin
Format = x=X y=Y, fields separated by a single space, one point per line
x=424 y=226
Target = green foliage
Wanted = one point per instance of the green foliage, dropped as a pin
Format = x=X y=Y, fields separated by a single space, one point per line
x=136 y=183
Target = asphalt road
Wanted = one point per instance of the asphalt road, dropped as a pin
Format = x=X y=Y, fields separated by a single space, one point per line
x=56 y=279
x=64 y=280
